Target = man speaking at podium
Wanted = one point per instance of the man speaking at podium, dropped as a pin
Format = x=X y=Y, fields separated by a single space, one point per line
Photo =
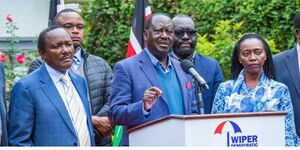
x=151 y=84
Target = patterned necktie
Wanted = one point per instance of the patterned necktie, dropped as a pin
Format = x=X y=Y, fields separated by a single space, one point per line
x=76 y=112
x=76 y=60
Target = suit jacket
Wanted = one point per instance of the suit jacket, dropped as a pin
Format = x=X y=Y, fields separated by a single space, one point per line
x=211 y=72
x=37 y=113
x=3 y=115
x=131 y=78
x=287 y=72
x=98 y=76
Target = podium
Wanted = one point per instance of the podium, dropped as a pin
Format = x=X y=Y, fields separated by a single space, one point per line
x=227 y=130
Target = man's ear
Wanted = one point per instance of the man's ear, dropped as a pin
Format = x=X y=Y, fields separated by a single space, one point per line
x=42 y=54
x=145 y=35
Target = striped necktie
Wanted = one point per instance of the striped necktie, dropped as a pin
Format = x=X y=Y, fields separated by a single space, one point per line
x=76 y=113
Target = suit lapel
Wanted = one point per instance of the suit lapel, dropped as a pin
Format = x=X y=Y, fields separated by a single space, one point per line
x=181 y=77
x=292 y=64
x=54 y=97
x=148 y=69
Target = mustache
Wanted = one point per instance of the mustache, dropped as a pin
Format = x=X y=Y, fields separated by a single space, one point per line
x=66 y=56
x=163 y=41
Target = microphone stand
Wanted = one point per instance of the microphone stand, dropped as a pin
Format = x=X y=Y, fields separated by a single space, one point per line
x=200 y=102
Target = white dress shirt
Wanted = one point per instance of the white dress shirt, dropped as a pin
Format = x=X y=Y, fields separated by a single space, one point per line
x=56 y=78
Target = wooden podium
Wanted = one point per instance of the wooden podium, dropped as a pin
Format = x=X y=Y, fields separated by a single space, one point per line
x=228 y=130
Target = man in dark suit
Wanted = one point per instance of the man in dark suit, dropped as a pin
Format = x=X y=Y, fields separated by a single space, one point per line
x=50 y=107
x=3 y=116
x=94 y=69
x=185 y=40
x=151 y=84
x=287 y=71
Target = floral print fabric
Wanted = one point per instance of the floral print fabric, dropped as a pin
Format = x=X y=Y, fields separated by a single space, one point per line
x=233 y=96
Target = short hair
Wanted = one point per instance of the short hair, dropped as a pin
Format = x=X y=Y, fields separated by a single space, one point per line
x=182 y=16
x=236 y=66
x=61 y=12
x=149 y=20
x=297 y=21
x=41 y=38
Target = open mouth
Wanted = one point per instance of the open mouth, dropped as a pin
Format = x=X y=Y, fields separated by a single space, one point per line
x=163 y=44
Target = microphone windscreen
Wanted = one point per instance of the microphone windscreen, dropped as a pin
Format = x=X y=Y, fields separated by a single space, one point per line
x=186 y=65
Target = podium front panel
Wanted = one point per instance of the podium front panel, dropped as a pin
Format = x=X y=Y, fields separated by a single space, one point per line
x=251 y=130
x=236 y=132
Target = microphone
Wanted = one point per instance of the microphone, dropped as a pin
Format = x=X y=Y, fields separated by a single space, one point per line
x=188 y=67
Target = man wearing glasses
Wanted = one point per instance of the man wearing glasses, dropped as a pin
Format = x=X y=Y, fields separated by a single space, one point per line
x=93 y=68
x=185 y=38
x=150 y=85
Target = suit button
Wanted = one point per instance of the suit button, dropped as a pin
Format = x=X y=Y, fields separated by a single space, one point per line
x=75 y=144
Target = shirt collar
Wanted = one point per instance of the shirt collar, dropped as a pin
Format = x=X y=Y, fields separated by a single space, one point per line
x=54 y=74
x=157 y=64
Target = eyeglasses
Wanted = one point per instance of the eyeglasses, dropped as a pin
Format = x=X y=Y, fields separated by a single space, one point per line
x=180 y=33
x=71 y=26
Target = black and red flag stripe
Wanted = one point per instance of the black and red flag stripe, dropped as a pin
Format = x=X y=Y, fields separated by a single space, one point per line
x=141 y=13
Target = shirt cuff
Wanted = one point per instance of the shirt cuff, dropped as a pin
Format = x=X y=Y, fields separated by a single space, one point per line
x=146 y=113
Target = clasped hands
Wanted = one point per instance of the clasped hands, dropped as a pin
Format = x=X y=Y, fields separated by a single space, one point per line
x=102 y=124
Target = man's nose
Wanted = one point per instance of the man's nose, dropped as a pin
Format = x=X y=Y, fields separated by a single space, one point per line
x=164 y=35
x=185 y=36
x=74 y=30
x=66 y=49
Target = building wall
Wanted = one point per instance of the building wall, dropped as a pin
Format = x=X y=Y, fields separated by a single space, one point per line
x=31 y=16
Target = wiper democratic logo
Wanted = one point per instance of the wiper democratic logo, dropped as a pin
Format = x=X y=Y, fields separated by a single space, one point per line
x=237 y=140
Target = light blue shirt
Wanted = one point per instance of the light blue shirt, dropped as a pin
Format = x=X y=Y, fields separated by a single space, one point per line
x=157 y=64
x=77 y=59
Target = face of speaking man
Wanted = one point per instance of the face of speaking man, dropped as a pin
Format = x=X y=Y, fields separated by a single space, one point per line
x=59 y=50
x=159 y=37
x=185 y=37
x=73 y=23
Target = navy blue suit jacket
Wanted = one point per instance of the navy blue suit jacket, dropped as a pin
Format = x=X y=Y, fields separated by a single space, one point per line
x=3 y=115
x=211 y=72
x=287 y=72
x=133 y=76
x=37 y=113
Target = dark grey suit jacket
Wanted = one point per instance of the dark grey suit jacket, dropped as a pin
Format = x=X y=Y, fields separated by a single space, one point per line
x=287 y=72
x=3 y=107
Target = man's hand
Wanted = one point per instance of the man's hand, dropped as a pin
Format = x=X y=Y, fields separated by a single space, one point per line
x=102 y=124
x=150 y=97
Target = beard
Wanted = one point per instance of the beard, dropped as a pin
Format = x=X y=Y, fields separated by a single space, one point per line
x=183 y=53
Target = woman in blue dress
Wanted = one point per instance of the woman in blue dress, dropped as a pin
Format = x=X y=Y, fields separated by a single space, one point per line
x=252 y=88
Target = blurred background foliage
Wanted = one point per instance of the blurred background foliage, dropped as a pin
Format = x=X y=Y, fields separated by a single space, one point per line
x=220 y=23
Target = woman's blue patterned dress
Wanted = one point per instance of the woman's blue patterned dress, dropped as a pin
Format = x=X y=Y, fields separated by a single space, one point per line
x=233 y=96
